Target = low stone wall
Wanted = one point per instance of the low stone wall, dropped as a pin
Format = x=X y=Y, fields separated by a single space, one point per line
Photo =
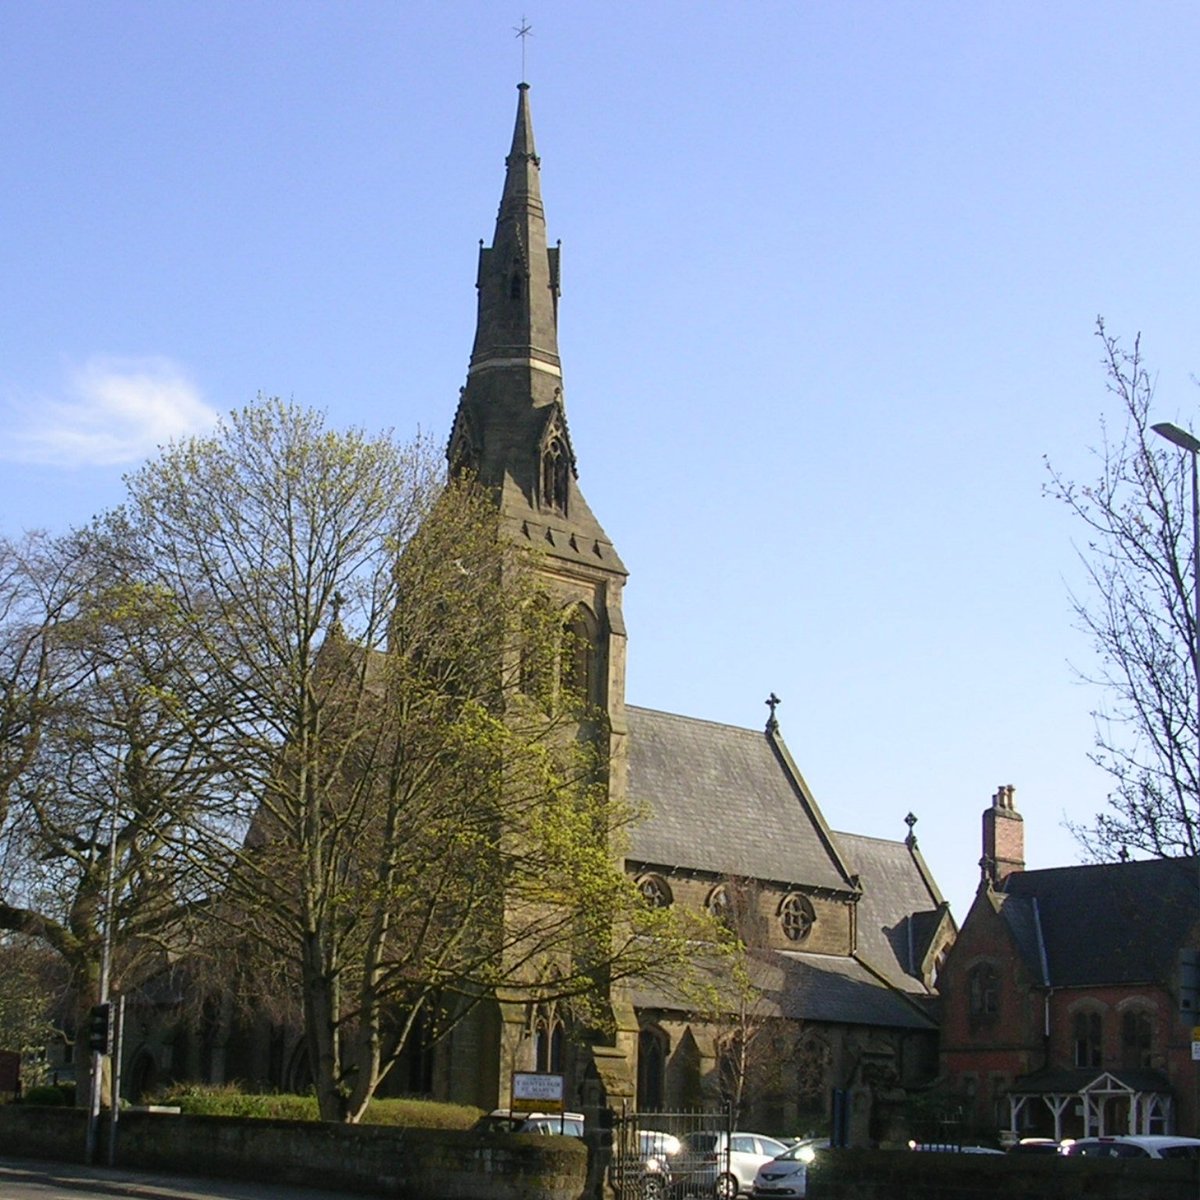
x=902 y=1174
x=378 y=1160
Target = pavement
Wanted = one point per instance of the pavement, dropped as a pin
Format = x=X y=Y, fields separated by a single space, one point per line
x=154 y=1185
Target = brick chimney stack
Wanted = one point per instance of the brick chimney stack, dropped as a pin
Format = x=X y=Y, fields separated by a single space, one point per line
x=1003 y=838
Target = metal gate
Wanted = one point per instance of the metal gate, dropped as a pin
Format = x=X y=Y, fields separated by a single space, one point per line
x=669 y=1156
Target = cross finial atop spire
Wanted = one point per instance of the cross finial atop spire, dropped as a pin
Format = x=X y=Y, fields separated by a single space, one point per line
x=772 y=702
x=524 y=31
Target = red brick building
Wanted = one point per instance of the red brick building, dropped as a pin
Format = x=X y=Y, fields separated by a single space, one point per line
x=1061 y=996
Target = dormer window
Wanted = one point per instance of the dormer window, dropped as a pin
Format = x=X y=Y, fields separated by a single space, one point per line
x=554 y=475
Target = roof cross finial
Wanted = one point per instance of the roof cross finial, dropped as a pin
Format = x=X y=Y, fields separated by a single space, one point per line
x=524 y=31
x=911 y=840
x=772 y=702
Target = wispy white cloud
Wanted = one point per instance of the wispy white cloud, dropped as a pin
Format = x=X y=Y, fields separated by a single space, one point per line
x=114 y=411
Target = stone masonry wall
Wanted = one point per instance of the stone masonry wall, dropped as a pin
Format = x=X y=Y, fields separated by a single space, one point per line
x=904 y=1175
x=407 y=1164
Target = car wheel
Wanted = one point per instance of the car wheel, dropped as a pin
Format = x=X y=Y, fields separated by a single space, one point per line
x=726 y=1187
x=654 y=1187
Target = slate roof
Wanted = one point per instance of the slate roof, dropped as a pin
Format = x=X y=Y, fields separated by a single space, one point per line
x=812 y=987
x=718 y=799
x=826 y=987
x=1109 y=923
x=900 y=911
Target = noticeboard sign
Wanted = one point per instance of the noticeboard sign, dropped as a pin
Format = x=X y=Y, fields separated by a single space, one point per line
x=537 y=1091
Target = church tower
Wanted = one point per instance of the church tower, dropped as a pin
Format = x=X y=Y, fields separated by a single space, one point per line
x=511 y=431
x=511 y=427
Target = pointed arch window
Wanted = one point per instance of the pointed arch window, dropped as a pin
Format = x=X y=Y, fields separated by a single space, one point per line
x=652 y=1070
x=538 y=651
x=555 y=469
x=548 y=1039
x=578 y=656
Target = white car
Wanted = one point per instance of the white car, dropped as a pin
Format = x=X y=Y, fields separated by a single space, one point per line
x=713 y=1163
x=787 y=1175
x=1150 y=1145
x=507 y=1120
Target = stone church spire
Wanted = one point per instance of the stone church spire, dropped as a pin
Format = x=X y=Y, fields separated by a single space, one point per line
x=518 y=274
x=511 y=424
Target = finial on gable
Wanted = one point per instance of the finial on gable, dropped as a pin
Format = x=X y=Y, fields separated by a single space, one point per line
x=772 y=702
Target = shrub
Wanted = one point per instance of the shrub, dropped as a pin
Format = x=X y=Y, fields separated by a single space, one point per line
x=50 y=1093
x=228 y=1100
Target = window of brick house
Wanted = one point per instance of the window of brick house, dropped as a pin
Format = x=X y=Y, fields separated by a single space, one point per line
x=983 y=990
x=1137 y=1037
x=1087 y=1037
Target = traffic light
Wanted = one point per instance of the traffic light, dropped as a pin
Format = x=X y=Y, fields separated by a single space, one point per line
x=99 y=1028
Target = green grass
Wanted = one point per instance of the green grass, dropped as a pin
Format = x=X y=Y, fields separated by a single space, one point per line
x=229 y=1101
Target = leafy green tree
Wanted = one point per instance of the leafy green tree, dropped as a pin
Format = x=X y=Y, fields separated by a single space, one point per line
x=412 y=808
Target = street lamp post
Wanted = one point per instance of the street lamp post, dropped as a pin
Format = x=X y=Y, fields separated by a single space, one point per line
x=1191 y=444
x=1185 y=441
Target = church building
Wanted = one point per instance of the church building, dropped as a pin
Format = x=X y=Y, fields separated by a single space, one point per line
x=845 y=933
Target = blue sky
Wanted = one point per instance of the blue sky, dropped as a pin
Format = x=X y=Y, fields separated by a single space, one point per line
x=830 y=277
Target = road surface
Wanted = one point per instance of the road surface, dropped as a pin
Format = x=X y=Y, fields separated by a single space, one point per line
x=32 y=1179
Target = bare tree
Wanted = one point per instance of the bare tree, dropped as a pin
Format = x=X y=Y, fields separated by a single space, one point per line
x=1138 y=608
x=754 y=1041
x=33 y=1001
x=100 y=785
